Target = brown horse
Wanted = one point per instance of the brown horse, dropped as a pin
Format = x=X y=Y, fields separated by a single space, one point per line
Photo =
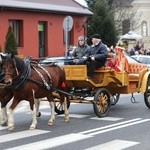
x=32 y=82
x=5 y=96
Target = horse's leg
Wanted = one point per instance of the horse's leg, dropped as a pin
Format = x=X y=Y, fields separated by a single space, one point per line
x=63 y=100
x=11 y=114
x=34 y=120
x=4 y=117
x=66 y=112
x=33 y=111
x=37 y=105
x=52 y=117
x=5 y=96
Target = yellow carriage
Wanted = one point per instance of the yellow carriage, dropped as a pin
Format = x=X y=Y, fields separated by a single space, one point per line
x=107 y=85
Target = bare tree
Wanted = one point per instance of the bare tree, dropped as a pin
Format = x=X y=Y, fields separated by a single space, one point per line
x=125 y=14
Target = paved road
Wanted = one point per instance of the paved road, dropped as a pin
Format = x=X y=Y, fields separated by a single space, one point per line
x=126 y=127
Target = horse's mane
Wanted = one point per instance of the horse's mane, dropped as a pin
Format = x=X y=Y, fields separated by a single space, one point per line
x=23 y=68
x=20 y=64
x=16 y=62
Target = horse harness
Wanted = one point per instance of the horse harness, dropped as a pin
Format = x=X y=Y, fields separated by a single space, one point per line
x=48 y=86
x=20 y=80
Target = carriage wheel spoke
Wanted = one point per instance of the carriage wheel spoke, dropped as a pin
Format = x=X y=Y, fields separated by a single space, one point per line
x=102 y=102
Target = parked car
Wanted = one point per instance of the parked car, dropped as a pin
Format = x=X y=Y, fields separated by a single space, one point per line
x=145 y=59
x=60 y=60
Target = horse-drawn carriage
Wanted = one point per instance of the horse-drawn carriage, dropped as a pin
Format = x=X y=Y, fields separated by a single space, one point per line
x=33 y=81
x=105 y=89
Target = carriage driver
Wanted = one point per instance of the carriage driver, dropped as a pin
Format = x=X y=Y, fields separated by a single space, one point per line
x=97 y=55
x=80 y=50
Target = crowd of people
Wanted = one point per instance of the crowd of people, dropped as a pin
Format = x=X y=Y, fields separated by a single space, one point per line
x=138 y=49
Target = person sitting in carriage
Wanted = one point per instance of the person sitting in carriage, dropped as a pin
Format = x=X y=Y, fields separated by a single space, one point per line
x=97 y=55
x=80 y=51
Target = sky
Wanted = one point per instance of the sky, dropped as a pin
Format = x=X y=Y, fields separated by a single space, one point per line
x=82 y=2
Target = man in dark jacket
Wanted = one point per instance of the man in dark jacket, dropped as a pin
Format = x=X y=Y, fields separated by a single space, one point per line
x=97 y=55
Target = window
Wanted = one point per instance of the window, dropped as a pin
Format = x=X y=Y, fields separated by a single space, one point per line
x=143 y=60
x=17 y=27
x=126 y=26
x=42 y=34
x=144 y=28
x=148 y=60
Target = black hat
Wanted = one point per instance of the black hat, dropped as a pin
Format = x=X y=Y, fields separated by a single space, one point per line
x=97 y=36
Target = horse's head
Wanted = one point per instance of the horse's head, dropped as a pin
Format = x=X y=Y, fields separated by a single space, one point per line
x=12 y=67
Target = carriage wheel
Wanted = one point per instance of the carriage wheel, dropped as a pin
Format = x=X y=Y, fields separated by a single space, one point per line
x=102 y=102
x=147 y=93
x=59 y=108
x=115 y=99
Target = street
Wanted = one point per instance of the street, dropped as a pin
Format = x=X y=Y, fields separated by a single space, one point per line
x=126 y=127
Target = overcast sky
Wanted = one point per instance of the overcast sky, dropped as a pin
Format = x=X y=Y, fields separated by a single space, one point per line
x=82 y=2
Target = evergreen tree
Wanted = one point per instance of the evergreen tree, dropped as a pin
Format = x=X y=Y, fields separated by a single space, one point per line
x=10 y=43
x=102 y=22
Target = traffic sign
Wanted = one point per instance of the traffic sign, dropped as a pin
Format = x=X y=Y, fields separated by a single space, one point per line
x=68 y=23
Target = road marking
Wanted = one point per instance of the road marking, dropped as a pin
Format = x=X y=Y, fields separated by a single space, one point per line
x=119 y=127
x=3 y=128
x=70 y=115
x=73 y=137
x=114 y=145
x=21 y=134
x=52 y=142
x=107 y=118
x=76 y=116
x=109 y=126
x=27 y=108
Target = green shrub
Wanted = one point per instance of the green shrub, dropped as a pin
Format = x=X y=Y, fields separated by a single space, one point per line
x=10 y=43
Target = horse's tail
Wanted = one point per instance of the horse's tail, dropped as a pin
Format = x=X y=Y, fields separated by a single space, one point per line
x=62 y=83
x=62 y=77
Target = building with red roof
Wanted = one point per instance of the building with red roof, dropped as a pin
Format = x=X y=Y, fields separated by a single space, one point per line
x=38 y=25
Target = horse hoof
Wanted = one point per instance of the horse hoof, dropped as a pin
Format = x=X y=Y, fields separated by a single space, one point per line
x=4 y=124
x=50 y=123
x=11 y=128
x=32 y=128
x=66 y=120
x=39 y=114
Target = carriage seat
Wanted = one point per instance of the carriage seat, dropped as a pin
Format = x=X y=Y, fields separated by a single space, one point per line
x=106 y=67
x=136 y=71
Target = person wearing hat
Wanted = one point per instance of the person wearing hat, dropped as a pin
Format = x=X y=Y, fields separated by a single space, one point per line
x=97 y=55
x=120 y=60
x=81 y=50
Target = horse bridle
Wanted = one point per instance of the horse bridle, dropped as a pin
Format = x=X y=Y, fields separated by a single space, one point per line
x=16 y=69
x=15 y=65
